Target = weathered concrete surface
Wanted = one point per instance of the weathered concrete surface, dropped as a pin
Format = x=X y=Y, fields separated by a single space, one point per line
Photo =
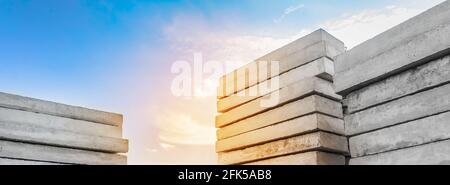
x=314 y=141
x=322 y=67
x=302 y=125
x=308 y=158
x=308 y=105
x=59 y=123
x=422 y=48
x=316 y=45
x=38 y=135
x=285 y=95
x=426 y=76
x=405 y=109
x=429 y=154
x=413 y=133
x=57 y=109
x=395 y=36
x=5 y=161
x=44 y=153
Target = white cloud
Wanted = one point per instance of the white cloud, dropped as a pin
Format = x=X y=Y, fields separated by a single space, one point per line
x=166 y=146
x=287 y=11
x=292 y=9
x=181 y=128
x=359 y=27
x=187 y=35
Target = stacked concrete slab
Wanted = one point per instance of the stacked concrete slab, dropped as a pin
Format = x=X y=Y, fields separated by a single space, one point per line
x=397 y=93
x=38 y=132
x=305 y=126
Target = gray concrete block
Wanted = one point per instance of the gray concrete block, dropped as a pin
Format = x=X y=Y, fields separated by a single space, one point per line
x=437 y=153
x=305 y=106
x=5 y=161
x=322 y=67
x=414 y=80
x=302 y=125
x=307 y=158
x=53 y=154
x=418 y=132
x=318 y=49
x=38 y=135
x=422 y=48
x=57 y=109
x=405 y=109
x=303 y=88
x=59 y=123
x=314 y=141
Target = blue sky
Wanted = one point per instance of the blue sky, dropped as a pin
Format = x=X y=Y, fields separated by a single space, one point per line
x=116 y=55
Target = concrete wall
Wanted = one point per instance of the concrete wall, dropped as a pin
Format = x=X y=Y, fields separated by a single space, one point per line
x=39 y=132
x=396 y=93
x=305 y=126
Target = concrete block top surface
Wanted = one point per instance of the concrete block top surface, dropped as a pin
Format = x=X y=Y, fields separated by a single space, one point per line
x=299 y=44
x=57 y=109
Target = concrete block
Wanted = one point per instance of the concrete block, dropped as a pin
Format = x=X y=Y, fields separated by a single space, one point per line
x=314 y=141
x=298 y=58
x=414 y=80
x=305 y=106
x=17 y=150
x=322 y=68
x=59 y=123
x=285 y=95
x=395 y=36
x=308 y=158
x=57 y=109
x=302 y=125
x=417 y=132
x=38 y=135
x=437 y=153
x=409 y=108
x=422 y=48
x=5 y=161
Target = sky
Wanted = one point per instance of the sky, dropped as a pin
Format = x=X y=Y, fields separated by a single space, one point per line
x=117 y=55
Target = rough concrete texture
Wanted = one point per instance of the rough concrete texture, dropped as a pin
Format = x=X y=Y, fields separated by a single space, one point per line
x=305 y=106
x=59 y=123
x=420 y=49
x=422 y=77
x=405 y=109
x=314 y=141
x=316 y=45
x=57 y=109
x=322 y=68
x=5 y=161
x=32 y=134
x=302 y=125
x=418 y=132
x=395 y=36
x=43 y=153
x=308 y=158
x=285 y=95
x=430 y=154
